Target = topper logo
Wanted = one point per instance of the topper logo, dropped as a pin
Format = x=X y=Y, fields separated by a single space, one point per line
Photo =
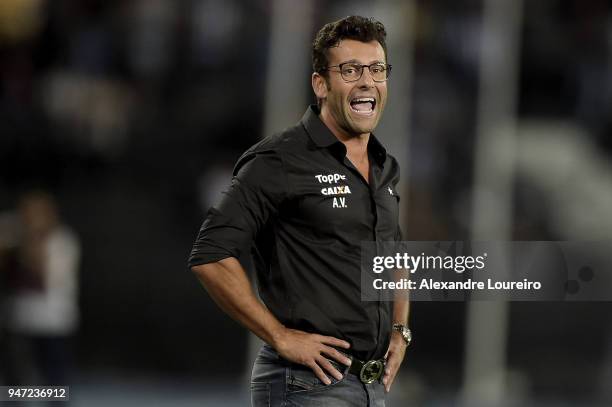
x=330 y=178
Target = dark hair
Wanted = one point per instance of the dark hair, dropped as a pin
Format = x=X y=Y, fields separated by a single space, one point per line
x=352 y=28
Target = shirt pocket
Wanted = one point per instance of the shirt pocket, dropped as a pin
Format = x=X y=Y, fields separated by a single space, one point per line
x=388 y=206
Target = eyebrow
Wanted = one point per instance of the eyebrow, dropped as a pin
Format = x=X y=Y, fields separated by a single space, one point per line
x=355 y=61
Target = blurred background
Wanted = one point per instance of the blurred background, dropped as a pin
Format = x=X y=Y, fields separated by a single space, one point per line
x=120 y=122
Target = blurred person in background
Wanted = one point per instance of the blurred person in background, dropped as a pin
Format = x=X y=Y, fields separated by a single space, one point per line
x=8 y=246
x=305 y=199
x=40 y=268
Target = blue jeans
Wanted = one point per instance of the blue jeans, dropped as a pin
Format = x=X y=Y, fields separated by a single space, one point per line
x=276 y=382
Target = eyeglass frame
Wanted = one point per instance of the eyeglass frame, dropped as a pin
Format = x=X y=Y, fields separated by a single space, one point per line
x=339 y=66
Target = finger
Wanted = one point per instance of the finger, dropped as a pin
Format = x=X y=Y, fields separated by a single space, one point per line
x=330 y=340
x=319 y=373
x=389 y=378
x=325 y=364
x=387 y=382
x=334 y=354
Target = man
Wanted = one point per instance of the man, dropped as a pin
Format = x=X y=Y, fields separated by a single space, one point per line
x=42 y=302
x=305 y=199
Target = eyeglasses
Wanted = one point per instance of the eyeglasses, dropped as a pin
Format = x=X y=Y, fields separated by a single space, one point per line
x=351 y=71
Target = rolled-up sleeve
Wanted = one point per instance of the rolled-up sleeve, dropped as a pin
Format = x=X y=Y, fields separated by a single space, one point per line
x=258 y=188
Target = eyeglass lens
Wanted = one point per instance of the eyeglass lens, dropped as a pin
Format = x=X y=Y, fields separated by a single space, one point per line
x=352 y=72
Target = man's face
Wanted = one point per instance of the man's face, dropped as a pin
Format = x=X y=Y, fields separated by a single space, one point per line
x=343 y=100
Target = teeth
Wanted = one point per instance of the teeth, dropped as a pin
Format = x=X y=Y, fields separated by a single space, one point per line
x=359 y=100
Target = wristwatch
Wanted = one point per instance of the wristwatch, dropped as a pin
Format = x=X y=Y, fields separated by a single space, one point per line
x=405 y=331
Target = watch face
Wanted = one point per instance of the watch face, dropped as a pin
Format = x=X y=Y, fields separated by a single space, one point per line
x=404 y=331
x=407 y=334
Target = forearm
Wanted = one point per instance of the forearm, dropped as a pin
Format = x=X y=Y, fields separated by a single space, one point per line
x=401 y=310
x=401 y=300
x=398 y=343
x=228 y=285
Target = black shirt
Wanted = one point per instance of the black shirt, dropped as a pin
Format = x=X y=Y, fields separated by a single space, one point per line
x=304 y=209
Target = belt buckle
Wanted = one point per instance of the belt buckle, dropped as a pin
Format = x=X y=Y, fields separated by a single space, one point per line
x=371 y=371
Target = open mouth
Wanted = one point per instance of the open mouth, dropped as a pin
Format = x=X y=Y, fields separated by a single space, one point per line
x=363 y=106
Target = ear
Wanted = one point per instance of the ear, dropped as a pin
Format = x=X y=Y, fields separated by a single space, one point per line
x=319 y=85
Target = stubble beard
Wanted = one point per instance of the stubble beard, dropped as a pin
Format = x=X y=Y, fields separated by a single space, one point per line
x=349 y=124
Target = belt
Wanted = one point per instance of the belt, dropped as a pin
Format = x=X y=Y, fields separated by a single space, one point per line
x=368 y=371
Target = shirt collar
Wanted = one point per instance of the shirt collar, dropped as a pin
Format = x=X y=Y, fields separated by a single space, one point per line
x=322 y=136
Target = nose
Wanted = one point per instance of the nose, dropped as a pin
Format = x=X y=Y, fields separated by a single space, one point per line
x=366 y=79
